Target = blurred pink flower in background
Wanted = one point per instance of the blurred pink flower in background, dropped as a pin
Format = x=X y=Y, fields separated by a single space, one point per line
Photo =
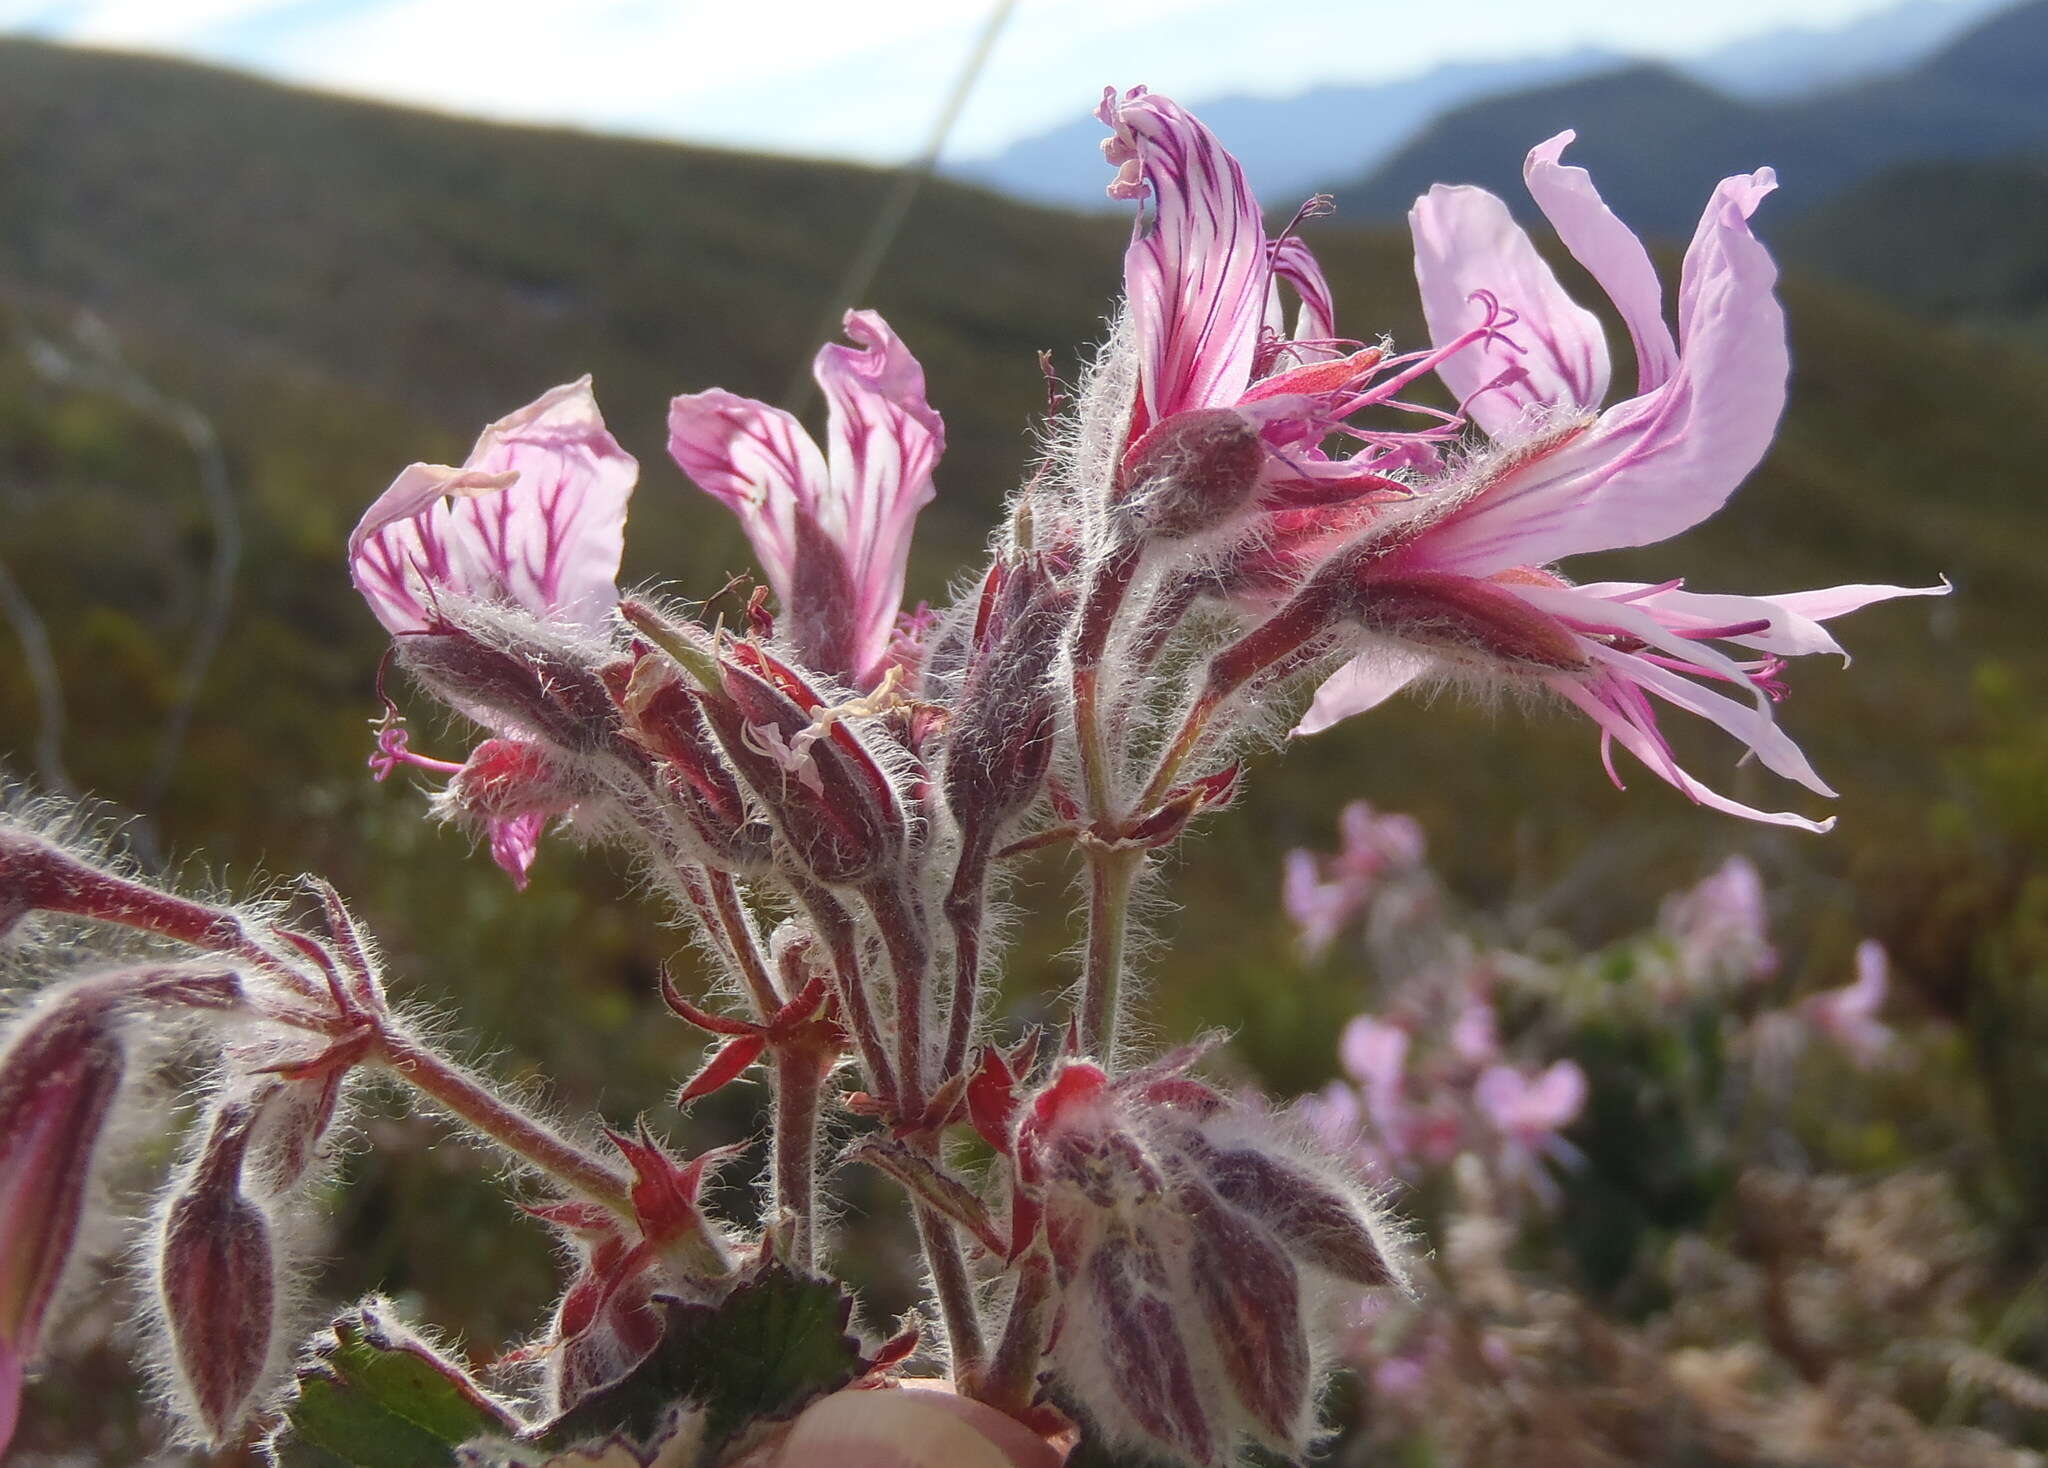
x=1848 y=1015
x=1324 y=894
x=1720 y=928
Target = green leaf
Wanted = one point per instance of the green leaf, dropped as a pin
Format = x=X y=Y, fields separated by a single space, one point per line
x=775 y=1342
x=374 y=1395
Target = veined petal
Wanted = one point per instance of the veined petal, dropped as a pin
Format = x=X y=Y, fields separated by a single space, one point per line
x=401 y=552
x=1610 y=252
x=1660 y=463
x=1315 y=318
x=1792 y=619
x=1366 y=682
x=1641 y=743
x=1474 y=265
x=1752 y=726
x=536 y=517
x=759 y=462
x=883 y=441
x=1195 y=274
x=1839 y=601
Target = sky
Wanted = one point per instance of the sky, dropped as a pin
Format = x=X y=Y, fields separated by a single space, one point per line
x=865 y=79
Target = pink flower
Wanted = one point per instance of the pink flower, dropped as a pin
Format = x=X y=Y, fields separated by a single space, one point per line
x=832 y=529
x=536 y=516
x=1322 y=895
x=1456 y=580
x=1848 y=1015
x=1720 y=927
x=1207 y=325
x=536 y=519
x=1527 y=1113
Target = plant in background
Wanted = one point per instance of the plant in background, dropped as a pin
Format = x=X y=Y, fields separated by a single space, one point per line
x=1644 y=1254
x=1237 y=502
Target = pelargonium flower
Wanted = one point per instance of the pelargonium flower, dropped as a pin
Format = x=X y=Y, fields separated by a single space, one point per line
x=1206 y=326
x=1459 y=579
x=832 y=529
x=535 y=520
x=1527 y=1113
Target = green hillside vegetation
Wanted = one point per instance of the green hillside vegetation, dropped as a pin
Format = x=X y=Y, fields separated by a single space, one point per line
x=1963 y=240
x=345 y=288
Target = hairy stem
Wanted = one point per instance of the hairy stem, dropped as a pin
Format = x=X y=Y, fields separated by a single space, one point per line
x=965 y=1348
x=741 y=942
x=965 y=902
x=1093 y=625
x=1011 y=1380
x=797 y=1081
x=1112 y=873
x=903 y=938
x=526 y=1138
x=850 y=986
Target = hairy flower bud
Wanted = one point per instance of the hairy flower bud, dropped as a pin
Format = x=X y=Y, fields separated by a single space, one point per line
x=666 y=718
x=39 y=876
x=999 y=741
x=831 y=802
x=1190 y=473
x=1462 y=614
x=536 y=690
x=217 y=1271
x=59 y=1078
x=1190 y=1256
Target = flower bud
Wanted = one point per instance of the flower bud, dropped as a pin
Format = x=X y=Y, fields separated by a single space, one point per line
x=218 y=1277
x=1190 y=473
x=534 y=690
x=59 y=1078
x=1192 y=1261
x=999 y=741
x=40 y=876
x=666 y=718
x=830 y=800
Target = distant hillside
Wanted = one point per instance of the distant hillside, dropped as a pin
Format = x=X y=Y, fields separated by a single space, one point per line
x=1658 y=140
x=1294 y=146
x=1967 y=241
x=1290 y=147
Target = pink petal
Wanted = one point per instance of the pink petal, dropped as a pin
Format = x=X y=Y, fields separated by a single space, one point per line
x=1609 y=250
x=1315 y=319
x=1470 y=254
x=759 y=462
x=883 y=441
x=1873 y=970
x=1366 y=682
x=536 y=516
x=515 y=842
x=1195 y=274
x=1659 y=762
x=1660 y=463
x=1839 y=601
